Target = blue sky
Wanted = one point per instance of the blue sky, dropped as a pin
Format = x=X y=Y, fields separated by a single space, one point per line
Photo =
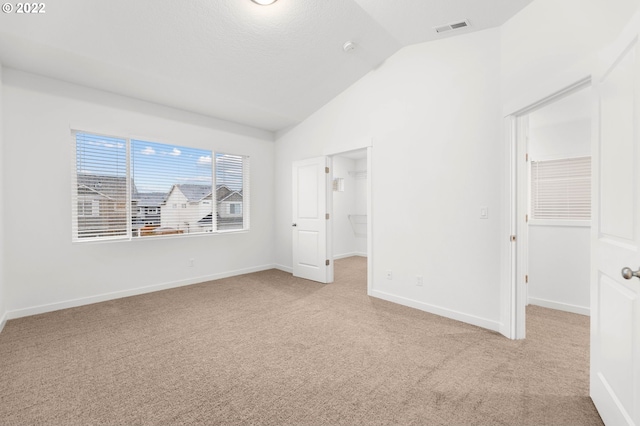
x=155 y=167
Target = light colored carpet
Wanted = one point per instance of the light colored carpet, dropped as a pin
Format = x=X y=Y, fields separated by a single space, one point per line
x=267 y=348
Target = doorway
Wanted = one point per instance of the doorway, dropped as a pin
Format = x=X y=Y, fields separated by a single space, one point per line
x=551 y=211
x=559 y=199
x=350 y=217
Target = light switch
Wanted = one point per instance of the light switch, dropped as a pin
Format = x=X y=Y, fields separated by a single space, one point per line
x=484 y=213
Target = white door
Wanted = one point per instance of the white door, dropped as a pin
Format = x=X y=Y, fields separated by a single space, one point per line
x=312 y=252
x=615 y=301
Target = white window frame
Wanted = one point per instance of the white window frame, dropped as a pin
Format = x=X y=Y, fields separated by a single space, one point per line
x=95 y=212
x=246 y=195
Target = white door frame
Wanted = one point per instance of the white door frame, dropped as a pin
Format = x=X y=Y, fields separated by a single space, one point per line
x=369 y=149
x=517 y=249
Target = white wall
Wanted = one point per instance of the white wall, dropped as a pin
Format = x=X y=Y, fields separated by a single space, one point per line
x=433 y=114
x=3 y=310
x=561 y=140
x=559 y=256
x=344 y=241
x=545 y=48
x=361 y=208
x=551 y=44
x=43 y=269
x=559 y=259
x=349 y=232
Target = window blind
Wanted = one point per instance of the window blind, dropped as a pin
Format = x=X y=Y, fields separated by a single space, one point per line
x=132 y=188
x=171 y=189
x=232 y=191
x=561 y=189
x=99 y=192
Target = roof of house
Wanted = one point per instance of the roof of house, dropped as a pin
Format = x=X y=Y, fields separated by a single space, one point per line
x=149 y=199
x=233 y=196
x=208 y=219
x=112 y=187
x=193 y=192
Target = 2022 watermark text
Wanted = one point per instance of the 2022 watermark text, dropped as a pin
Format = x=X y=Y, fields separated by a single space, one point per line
x=26 y=8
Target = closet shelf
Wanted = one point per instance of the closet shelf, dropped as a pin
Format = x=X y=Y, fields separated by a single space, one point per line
x=358 y=174
x=359 y=224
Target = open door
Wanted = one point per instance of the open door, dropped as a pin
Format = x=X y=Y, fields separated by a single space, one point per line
x=615 y=290
x=312 y=251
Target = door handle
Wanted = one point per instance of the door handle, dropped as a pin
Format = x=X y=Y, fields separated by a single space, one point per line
x=627 y=273
x=294 y=224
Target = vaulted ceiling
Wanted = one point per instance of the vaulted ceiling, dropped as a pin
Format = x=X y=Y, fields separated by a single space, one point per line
x=268 y=67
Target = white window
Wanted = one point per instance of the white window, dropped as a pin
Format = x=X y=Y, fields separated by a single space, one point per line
x=100 y=174
x=113 y=176
x=88 y=207
x=172 y=175
x=561 y=189
x=235 y=208
x=232 y=190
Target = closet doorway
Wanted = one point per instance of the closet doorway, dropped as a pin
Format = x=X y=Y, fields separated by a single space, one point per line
x=351 y=221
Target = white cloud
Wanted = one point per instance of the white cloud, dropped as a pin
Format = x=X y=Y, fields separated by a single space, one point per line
x=206 y=179
x=175 y=152
x=118 y=145
x=204 y=160
x=148 y=151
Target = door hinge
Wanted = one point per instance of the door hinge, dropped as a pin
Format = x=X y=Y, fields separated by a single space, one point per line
x=327 y=262
x=526 y=279
x=512 y=238
x=526 y=218
x=326 y=216
x=526 y=157
x=326 y=170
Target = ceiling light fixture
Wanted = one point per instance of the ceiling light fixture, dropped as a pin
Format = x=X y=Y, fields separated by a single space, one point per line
x=264 y=2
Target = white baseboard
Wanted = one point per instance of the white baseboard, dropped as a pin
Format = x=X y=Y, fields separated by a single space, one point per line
x=560 y=306
x=283 y=268
x=444 y=312
x=3 y=320
x=344 y=255
x=352 y=254
x=35 y=310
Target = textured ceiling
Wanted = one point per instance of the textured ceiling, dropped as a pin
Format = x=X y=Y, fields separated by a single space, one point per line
x=264 y=66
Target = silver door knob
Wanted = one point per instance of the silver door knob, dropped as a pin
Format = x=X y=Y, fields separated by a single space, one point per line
x=627 y=273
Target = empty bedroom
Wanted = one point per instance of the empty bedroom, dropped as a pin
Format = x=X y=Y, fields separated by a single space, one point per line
x=302 y=212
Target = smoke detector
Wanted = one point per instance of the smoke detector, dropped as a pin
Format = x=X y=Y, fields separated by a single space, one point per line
x=348 y=46
x=453 y=26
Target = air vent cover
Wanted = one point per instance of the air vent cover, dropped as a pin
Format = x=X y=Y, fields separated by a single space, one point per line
x=453 y=26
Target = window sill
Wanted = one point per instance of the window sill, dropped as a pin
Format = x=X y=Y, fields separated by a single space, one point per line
x=565 y=223
x=158 y=237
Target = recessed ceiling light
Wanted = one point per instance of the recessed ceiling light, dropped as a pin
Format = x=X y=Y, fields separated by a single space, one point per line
x=264 y=2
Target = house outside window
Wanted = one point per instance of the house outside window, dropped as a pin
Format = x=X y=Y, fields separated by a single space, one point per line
x=235 y=208
x=125 y=189
x=88 y=208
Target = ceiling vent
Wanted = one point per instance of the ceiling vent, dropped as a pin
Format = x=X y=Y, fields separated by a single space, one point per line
x=454 y=26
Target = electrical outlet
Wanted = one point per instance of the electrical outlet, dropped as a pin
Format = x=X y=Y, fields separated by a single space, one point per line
x=419 y=281
x=389 y=275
